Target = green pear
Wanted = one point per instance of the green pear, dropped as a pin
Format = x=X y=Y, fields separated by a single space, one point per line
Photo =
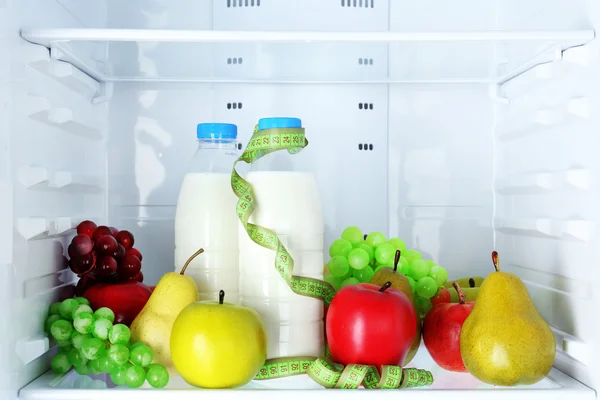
x=505 y=341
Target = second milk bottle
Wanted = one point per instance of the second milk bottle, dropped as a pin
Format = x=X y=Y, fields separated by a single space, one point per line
x=206 y=217
x=287 y=203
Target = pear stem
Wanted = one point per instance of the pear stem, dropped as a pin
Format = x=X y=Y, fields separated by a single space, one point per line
x=496 y=260
x=461 y=294
x=397 y=259
x=221 y=296
x=189 y=260
x=385 y=286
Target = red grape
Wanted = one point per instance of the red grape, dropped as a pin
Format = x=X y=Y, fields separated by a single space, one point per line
x=125 y=238
x=101 y=231
x=114 y=230
x=106 y=245
x=82 y=244
x=134 y=252
x=105 y=266
x=71 y=251
x=110 y=279
x=129 y=266
x=86 y=228
x=139 y=277
x=83 y=264
x=119 y=252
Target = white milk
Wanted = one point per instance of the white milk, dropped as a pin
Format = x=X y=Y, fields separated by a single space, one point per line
x=288 y=203
x=206 y=218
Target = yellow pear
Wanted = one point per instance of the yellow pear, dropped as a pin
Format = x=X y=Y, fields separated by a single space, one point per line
x=504 y=341
x=154 y=323
x=464 y=283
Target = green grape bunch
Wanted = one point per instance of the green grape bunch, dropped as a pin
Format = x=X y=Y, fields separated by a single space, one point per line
x=91 y=344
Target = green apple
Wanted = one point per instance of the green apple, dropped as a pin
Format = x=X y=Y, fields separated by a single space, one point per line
x=218 y=345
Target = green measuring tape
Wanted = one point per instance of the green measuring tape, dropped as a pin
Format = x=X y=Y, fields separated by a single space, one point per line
x=321 y=370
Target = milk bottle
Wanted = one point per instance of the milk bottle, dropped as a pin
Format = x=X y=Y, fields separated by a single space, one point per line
x=288 y=204
x=206 y=217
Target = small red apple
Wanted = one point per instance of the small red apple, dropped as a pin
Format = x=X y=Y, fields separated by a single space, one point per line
x=442 y=296
x=441 y=332
x=369 y=324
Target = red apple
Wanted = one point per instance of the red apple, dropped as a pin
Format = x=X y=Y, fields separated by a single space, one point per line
x=441 y=332
x=442 y=296
x=369 y=324
x=126 y=300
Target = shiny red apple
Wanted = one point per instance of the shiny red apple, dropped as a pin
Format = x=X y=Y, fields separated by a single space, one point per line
x=441 y=332
x=442 y=296
x=126 y=300
x=369 y=324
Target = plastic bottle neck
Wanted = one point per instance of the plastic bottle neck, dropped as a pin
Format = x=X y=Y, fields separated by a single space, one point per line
x=220 y=144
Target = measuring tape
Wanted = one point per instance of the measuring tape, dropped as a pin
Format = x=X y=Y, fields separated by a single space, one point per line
x=321 y=370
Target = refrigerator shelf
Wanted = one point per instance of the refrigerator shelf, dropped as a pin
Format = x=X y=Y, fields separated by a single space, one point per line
x=447 y=385
x=304 y=56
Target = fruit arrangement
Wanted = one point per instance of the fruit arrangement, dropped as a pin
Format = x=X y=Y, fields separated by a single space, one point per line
x=356 y=259
x=90 y=343
x=102 y=254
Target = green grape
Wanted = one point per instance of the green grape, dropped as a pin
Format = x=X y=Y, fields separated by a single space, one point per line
x=334 y=281
x=379 y=267
x=105 y=313
x=431 y=263
x=60 y=363
x=364 y=275
x=338 y=266
x=67 y=307
x=403 y=266
x=157 y=376
x=141 y=355
x=427 y=287
x=119 y=334
x=94 y=366
x=81 y=309
x=439 y=274
x=82 y=369
x=82 y=300
x=412 y=283
x=384 y=254
x=423 y=305
x=398 y=244
x=418 y=269
x=107 y=365
x=50 y=320
x=118 y=375
x=119 y=353
x=358 y=258
x=368 y=249
x=54 y=309
x=78 y=338
x=64 y=345
x=61 y=330
x=352 y=234
x=93 y=348
x=411 y=255
x=350 y=281
x=100 y=328
x=374 y=239
x=76 y=358
x=83 y=323
x=135 y=376
x=340 y=247
x=134 y=345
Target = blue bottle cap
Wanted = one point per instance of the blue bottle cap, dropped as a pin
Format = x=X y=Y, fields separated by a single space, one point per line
x=216 y=131
x=279 y=122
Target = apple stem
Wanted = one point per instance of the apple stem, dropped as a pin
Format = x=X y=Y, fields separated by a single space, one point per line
x=189 y=260
x=496 y=260
x=461 y=294
x=397 y=259
x=385 y=286
x=221 y=296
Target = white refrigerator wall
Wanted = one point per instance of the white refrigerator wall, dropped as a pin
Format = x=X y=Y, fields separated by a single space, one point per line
x=446 y=170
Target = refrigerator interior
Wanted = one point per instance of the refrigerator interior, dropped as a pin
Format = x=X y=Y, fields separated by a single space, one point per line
x=461 y=127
